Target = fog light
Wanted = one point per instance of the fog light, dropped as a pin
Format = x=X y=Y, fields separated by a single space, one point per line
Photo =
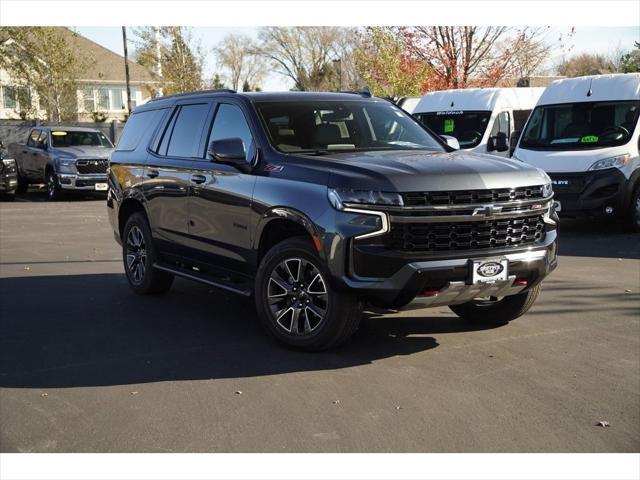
x=520 y=282
x=430 y=292
x=608 y=210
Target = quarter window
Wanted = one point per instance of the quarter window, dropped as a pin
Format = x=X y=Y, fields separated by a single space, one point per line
x=231 y=123
x=184 y=140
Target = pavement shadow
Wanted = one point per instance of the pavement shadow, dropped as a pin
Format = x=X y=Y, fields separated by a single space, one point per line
x=90 y=330
x=604 y=238
x=38 y=193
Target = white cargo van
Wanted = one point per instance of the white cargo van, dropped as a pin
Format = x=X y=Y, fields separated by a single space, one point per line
x=584 y=133
x=481 y=119
x=408 y=104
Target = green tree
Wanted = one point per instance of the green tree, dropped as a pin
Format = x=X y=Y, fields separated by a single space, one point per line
x=630 y=61
x=44 y=60
x=172 y=52
x=386 y=67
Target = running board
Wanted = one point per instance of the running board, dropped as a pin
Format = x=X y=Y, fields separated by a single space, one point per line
x=202 y=279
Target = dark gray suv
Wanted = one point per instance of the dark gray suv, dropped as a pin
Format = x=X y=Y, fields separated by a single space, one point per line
x=316 y=204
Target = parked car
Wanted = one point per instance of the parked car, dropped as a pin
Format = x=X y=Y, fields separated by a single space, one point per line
x=67 y=159
x=482 y=120
x=314 y=203
x=8 y=176
x=584 y=133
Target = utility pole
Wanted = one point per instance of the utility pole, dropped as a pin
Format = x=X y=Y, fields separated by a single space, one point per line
x=126 y=68
x=156 y=35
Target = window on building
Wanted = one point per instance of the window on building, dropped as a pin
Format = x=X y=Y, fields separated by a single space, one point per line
x=88 y=99
x=103 y=99
x=134 y=98
x=9 y=97
x=117 y=99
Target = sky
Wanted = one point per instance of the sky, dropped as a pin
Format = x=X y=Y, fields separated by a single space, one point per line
x=603 y=40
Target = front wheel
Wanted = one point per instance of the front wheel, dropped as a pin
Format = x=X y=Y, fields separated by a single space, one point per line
x=633 y=214
x=497 y=310
x=54 y=190
x=295 y=302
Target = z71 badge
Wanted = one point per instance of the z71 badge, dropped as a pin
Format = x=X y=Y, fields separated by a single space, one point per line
x=273 y=168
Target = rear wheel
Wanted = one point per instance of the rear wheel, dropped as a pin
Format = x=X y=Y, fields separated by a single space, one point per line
x=497 y=310
x=139 y=255
x=295 y=302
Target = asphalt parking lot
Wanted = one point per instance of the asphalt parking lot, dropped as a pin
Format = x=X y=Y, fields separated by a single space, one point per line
x=87 y=366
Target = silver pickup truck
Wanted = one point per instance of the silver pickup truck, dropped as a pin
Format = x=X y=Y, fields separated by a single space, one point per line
x=66 y=159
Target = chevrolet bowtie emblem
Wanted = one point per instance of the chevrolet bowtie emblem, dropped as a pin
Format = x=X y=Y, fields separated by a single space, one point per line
x=487 y=211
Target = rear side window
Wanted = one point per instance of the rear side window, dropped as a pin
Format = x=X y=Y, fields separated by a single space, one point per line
x=184 y=140
x=139 y=126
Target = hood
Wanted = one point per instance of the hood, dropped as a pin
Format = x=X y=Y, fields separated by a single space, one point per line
x=414 y=171
x=84 y=151
x=564 y=161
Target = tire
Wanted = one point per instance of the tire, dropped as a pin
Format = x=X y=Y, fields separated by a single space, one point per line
x=137 y=242
x=292 y=270
x=9 y=197
x=633 y=212
x=23 y=183
x=54 y=191
x=501 y=311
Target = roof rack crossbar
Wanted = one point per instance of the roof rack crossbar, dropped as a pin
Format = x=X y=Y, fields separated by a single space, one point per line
x=197 y=92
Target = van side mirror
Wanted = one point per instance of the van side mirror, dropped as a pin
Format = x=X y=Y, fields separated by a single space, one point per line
x=513 y=141
x=231 y=151
x=451 y=141
x=498 y=143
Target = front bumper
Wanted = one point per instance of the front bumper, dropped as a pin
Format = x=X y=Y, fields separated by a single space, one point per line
x=71 y=181
x=590 y=193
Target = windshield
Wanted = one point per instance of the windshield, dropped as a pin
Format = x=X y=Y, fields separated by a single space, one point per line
x=324 y=126
x=466 y=126
x=62 y=138
x=581 y=125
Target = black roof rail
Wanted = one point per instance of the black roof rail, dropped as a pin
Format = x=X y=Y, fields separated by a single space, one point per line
x=365 y=92
x=197 y=92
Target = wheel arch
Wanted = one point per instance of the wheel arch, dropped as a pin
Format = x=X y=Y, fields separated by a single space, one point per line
x=128 y=207
x=280 y=223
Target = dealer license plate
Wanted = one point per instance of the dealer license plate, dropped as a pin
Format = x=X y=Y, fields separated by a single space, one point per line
x=490 y=270
x=101 y=187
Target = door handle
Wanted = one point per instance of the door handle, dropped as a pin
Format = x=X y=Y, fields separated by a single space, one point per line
x=198 y=179
x=152 y=173
x=24 y=151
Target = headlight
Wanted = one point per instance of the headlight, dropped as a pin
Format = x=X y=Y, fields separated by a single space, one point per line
x=611 y=162
x=547 y=190
x=9 y=164
x=66 y=165
x=341 y=196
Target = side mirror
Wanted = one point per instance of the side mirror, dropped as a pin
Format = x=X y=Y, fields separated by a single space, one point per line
x=231 y=151
x=451 y=141
x=501 y=142
x=513 y=141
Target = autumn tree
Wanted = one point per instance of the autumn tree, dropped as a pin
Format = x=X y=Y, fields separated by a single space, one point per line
x=386 y=65
x=309 y=56
x=465 y=56
x=180 y=56
x=238 y=57
x=47 y=61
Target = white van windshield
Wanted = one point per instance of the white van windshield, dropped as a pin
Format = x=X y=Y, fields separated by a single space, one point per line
x=574 y=126
x=467 y=127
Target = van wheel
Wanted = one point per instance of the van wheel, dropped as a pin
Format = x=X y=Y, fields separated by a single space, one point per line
x=633 y=213
x=295 y=302
x=497 y=311
x=139 y=255
x=54 y=191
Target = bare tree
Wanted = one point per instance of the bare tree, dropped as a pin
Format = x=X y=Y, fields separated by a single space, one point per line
x=586 y=64
x=239 y=59
x=310 y=56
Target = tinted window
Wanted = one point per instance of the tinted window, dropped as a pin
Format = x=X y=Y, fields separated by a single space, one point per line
x=185 y=137
x=230 y=123
x=139 y=126
x=467 y=127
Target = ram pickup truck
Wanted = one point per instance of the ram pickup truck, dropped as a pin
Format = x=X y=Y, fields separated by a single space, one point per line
x=316 y=204
x=8 y=176
x=66 y=159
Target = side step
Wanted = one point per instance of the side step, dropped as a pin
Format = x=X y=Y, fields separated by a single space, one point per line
x=239 y=288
